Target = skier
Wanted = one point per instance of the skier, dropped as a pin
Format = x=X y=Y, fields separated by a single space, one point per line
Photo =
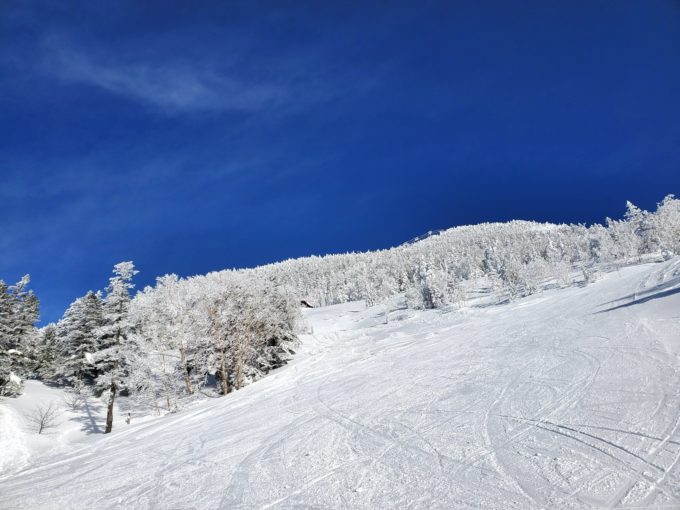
x=127 y=419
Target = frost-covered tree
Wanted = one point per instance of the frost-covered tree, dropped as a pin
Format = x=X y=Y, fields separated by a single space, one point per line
x=78 y=332
x=429 y=287
x=666 y=223
x=111 y=360
x=48 y=353
x=25 y=312
x=177 y=311
x=252 y=328
x=155 y=373
x=19 y=311
x=7 y=343
x=170 y=322
x=517 y=258
x=230 y=328
x=642 y=224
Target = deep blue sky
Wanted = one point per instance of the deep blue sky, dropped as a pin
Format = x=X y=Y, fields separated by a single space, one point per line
x=190 y=136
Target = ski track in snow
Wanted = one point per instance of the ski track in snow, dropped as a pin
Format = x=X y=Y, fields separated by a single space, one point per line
x=566 y=399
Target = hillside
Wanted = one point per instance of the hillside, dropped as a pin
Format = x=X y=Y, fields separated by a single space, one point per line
x=563 y=399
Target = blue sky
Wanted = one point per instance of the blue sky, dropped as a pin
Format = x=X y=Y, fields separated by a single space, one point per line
x=192 y=137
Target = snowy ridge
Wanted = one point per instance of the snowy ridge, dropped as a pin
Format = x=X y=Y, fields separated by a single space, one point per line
x=430 y=233
x=565 y=399
x=517 y=256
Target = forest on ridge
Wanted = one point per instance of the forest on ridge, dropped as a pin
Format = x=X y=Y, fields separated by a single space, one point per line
x=187 y=338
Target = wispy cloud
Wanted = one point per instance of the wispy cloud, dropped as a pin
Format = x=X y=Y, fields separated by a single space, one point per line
x=168 y=86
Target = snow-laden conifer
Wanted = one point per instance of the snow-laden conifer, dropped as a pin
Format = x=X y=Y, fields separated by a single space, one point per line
x=115 y=348
x=78 y=332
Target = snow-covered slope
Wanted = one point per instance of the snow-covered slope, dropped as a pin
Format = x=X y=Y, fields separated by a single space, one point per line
x=21 y=445
x=570 y=398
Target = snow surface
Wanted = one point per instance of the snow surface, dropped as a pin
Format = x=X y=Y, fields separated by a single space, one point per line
x=567 y=399
x=22 y=446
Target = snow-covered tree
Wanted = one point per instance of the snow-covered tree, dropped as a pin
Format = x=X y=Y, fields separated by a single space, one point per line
x=155 y=373
x=19 y=311
x=517 y=258
x=7 y=342
x=230 y=328
x=666 y=223
x=115 y=348
x=78 y=332
x=642 y=225
x=48 y=353
x=252 y=327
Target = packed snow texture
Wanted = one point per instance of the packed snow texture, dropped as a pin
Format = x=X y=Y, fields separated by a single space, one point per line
x=20 y=443
x=565 y=399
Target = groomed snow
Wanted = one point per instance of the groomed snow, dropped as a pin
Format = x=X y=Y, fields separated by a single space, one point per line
x=568 y=399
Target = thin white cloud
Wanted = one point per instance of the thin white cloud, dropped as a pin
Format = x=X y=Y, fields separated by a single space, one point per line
x=172 y=88
x=240 y=81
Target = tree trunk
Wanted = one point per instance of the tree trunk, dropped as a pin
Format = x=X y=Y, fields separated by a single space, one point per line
x=109 y=411
x=224 y=375
x=166 y=391
x=238 y=370
x=185 y=368
x=238 y=377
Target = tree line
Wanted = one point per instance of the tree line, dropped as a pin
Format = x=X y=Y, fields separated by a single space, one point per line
x=169 y=343
x=513 y=259
x=213 y=334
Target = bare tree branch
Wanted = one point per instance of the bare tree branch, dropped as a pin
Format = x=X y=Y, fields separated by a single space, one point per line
x=74 y=401
x=43 y=417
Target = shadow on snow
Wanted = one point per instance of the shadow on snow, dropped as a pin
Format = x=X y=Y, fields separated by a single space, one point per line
x=658 y=294
x=87 y=416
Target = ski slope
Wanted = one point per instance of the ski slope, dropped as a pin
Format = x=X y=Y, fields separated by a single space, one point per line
x=22 y=446
x=567 y=399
